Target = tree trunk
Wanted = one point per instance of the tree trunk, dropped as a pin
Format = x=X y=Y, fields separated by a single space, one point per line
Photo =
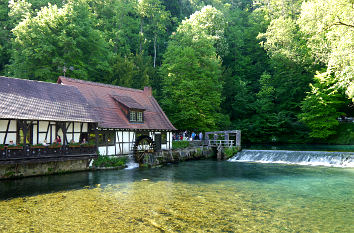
x=155 y=51
x=141 y=34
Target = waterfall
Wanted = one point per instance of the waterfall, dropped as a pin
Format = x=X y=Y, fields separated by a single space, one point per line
x=131 y=164
x=313 y=158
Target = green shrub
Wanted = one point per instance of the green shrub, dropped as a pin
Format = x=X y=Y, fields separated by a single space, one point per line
x=106 y=161
x=180 y=144
x=230 y=151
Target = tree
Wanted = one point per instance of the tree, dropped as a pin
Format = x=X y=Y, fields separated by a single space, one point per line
x=320 y=107
x=328 y=27
x=119 y=24
x=156 y=20
x=57 y=38
x=192 y=70
x=4 y=35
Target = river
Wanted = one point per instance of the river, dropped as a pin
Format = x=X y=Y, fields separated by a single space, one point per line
x=196 y=196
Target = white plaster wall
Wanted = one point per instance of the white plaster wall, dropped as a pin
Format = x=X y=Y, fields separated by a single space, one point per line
x=70 y=128
x=132 y=137
x=111 y=150
x=77 y=126
x=69 y=136
x=170 y=140
x=10 y=136
x=152 y=135
x=35 y=139
x=42 y=137
x=77 y=137
x=3 y=125
x=13 y=126
x=43 y=126
x=53 y=133
x=102 y=150
x=84 y=127
x=126 y=148
x=2 y=135
x=125 y=136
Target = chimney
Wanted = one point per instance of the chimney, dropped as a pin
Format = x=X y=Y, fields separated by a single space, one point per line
x=148 y=91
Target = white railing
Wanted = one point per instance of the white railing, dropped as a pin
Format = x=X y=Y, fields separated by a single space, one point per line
x=221 y=143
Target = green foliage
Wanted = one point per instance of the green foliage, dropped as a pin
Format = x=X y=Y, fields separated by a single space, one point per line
x=213 y=64
x=191 y=73
x=344 y=135
x=106 y=161
x=180 y=144
x=319 y=109
x=58 y=37
x=231 y=151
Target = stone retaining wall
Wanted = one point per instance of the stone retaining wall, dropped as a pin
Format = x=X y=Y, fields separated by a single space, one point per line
x=42 y=168
x=177 y=155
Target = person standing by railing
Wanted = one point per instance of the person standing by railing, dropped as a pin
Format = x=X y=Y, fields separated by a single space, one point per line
x=201 y=136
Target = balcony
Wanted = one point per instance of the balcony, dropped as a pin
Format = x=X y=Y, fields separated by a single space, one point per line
x=54 y=152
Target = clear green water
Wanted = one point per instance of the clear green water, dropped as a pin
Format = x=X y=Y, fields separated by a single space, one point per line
x=198 y=196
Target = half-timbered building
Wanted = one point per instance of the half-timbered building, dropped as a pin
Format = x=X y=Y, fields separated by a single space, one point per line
x=33 y=114
x=130 y=120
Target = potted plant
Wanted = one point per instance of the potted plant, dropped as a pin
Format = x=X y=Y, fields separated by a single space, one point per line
x=38 y=149
x=54 y=148
x=88 y=147
x=74 y=144
x=2 y=151
x=38 y=146
x=54 y=145
x=73 y=148
x=15 y=150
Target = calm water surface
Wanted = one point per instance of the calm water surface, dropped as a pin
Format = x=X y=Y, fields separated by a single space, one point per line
x=198 y=196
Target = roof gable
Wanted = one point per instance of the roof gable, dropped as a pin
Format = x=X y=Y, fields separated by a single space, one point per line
x=103 y=99
x=128 y=102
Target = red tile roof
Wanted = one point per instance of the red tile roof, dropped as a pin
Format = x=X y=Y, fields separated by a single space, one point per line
x=34 y=100
x=128 y=102
x=103 y=99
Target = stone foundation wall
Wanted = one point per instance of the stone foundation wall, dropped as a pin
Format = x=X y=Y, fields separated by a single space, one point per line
x=42 y=168
x=172 y=156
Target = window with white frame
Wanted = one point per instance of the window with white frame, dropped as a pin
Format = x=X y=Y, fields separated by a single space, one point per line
x=140 y=116
x=132 y=116
x=136 y=116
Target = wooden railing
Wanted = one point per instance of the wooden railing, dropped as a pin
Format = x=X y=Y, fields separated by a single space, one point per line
x=33 y=152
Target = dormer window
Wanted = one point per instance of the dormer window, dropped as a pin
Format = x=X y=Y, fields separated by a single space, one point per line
x=136 y=116
x=132 y=116
x=132 y=109
x=139 y=116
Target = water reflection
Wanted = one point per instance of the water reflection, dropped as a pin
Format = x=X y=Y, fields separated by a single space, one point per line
x=207 y=171
x=197 y=196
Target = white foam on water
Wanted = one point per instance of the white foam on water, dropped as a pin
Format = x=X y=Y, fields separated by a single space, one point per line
x=131 y=164
x=309 y=158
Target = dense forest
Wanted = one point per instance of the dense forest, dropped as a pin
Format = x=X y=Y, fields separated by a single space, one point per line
x=279 y=70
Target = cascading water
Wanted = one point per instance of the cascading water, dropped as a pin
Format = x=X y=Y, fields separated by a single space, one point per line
x=314 y=158
x=131 y=164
